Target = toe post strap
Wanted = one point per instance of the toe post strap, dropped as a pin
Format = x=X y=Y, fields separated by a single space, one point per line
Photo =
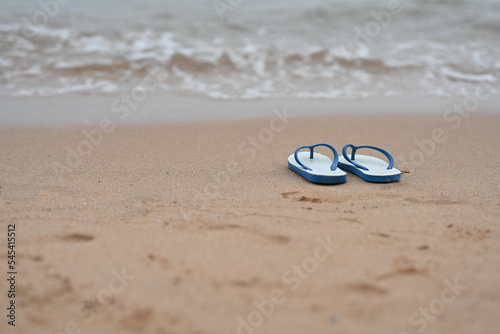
x=311 y=155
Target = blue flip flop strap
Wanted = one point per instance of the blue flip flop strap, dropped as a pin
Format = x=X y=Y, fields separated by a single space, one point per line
x=311 y=148
x=353 y=153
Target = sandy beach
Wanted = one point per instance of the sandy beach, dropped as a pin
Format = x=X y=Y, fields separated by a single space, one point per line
x=144 y=185
x=200 y=227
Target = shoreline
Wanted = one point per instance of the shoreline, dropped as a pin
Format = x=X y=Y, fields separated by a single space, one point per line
x=78 y=110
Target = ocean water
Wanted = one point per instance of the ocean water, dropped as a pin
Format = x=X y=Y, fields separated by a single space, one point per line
x=250 y=49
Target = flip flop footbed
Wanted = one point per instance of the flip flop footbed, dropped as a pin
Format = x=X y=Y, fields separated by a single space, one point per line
x=321 y=168
x=377 y=169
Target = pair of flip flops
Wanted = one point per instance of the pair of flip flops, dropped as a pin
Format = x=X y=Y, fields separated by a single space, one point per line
x=318 y=168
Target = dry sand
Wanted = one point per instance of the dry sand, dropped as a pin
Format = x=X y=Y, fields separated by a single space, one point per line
x=183 y=228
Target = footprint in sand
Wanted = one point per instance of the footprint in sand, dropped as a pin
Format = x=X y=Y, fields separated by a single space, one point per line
x=276 y=238
x=455 y=232
x=138 y=320
x=432 y=201
x=296 y=196
x=77 y=237
x=219 y=227
x=403 y=267
x=158 y=259
x=367 y=288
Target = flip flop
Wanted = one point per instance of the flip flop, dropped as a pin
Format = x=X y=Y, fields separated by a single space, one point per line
x=319 y=169
x=369 y=168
